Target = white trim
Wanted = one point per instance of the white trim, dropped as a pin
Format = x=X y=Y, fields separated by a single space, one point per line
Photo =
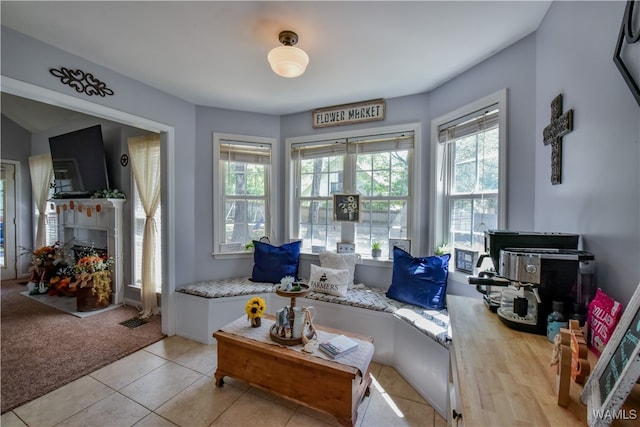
x=17 y=184
x=37 y=93
x=414 y=183
x=436 y=193
x=218 y=209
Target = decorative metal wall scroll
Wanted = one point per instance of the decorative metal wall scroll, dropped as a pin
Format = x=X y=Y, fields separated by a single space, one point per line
x=561 y=124
x=82 y=82
x=629 y=35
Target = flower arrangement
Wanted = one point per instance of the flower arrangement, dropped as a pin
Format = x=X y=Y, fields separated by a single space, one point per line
x=255 y=308
x=349 y=205
x=92 y=268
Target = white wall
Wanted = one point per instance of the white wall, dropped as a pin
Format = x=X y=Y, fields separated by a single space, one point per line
x=599 y=197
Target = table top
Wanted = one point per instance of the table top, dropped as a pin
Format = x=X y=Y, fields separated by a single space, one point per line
x=505 y=376
x=356 y=362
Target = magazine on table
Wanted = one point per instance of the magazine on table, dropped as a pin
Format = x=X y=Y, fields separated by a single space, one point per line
x=338 y=346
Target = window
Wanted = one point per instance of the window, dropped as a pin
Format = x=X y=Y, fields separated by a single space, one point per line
x=468 y=173
x=377 y=167
x=138 y=233
x=242 y=191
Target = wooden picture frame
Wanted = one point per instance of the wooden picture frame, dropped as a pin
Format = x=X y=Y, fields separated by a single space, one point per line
x=617 y=369
x=404 y=244
x=626 y=46
x=346 y=207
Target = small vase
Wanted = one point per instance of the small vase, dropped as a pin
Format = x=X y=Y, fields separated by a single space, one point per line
x=256 y=322
x=375 y=253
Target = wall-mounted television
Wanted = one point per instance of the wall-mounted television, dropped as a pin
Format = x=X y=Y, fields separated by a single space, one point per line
x=79 y=164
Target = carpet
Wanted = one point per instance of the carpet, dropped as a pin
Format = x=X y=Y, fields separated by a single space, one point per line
x=43 y=348
x=66 y=304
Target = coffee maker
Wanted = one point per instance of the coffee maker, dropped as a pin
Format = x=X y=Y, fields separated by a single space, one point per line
x=532 y=270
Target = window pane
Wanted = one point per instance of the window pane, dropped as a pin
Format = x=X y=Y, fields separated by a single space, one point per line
x=321 y=176
x=381 y=220
x=316 y=227
x=244 y=220
x=470 y=218
x=138 y=224
x=244 y=179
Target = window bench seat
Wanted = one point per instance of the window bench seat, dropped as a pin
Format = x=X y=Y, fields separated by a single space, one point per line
x=414 y=340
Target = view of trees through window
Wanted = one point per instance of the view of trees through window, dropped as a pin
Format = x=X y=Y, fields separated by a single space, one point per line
x=379 y=171
x=245 y=197
x=474 y=188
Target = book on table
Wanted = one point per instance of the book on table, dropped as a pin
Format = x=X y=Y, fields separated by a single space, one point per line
x=338 y=346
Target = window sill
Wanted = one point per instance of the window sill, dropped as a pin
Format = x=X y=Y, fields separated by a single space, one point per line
x=139 y=288
x=232 y=255
x=366 y=260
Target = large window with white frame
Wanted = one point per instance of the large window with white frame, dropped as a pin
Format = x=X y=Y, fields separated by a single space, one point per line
x=377 y=166
x=243 y=196
x=469 y=174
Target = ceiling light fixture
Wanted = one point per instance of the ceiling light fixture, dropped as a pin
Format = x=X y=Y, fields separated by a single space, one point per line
x=288 y=60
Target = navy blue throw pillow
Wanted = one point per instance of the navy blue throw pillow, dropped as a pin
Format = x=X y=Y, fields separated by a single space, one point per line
x=272 y=263
x=419 y=281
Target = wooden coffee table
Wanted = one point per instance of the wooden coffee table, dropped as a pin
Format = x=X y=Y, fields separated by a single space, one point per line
x=324 y=385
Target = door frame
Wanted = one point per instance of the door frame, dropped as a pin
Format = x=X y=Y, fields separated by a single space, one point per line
x=167 y=138
x=16 y=232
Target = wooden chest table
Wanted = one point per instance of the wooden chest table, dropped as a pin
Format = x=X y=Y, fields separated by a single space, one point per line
x=324 y=385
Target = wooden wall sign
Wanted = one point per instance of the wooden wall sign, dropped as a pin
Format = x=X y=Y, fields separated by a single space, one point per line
x=348 y=114
x=617 y=370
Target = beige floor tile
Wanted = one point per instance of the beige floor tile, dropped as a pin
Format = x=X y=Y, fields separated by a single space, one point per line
x=251 y=410
x=64 y=402
x=160 y=385
x=171 y=347
x=325 y=418
x=391 y=411
x=199 y=404
x=128 y=369
x=113 y=410
x=374 y=368
x=300 y=419
x=202 y=358
x=154 y=420
x=439 y=421
x=393 y=383
x=272 y=397
x=10 y=419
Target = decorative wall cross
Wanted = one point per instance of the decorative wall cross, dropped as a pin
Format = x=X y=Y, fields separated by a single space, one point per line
x=561 y=124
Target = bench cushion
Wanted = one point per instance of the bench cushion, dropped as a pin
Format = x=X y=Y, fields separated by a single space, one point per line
x=433 y=323
x=226 y=288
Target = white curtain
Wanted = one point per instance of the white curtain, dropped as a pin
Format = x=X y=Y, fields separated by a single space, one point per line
x=144 y=152
x=41 y=169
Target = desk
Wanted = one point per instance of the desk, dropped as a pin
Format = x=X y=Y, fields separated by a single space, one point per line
x=504 y=377
x=325 y=385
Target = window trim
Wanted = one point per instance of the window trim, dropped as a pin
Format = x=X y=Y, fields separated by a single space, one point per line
x=413 y=220
x=437 y=198
x=218 y=210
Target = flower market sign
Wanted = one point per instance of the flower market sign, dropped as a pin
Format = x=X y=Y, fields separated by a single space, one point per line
x=348 y=114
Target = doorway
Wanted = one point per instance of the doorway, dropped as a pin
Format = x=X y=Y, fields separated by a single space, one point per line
x=167 y=137
x=8 y=257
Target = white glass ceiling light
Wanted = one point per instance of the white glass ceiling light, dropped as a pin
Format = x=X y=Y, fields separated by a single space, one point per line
x=287 y=60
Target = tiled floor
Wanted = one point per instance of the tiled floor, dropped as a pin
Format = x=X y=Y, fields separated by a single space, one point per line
x=170 y=383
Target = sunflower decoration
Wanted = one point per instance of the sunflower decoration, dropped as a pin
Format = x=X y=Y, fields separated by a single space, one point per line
x=255 y=308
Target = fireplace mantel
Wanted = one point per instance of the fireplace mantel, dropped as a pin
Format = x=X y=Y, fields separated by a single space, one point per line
x=98 y=223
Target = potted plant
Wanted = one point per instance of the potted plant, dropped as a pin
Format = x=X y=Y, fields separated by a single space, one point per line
x=93 y=280
x=255 y=308
x=376 y=250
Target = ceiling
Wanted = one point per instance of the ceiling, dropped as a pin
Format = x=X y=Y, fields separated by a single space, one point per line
x=213 y=53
